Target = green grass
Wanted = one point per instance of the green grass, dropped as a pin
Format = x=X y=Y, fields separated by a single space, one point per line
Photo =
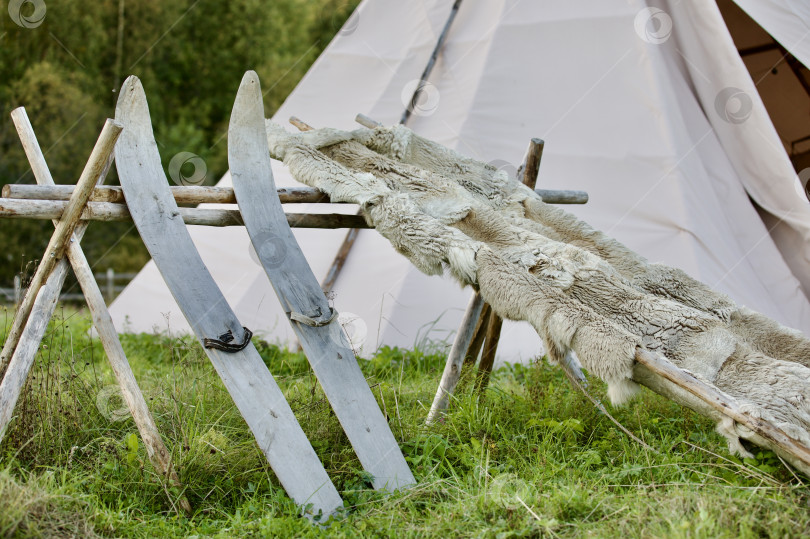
x=529 y=457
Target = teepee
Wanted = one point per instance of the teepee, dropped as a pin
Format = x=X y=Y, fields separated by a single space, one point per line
x=646 y=105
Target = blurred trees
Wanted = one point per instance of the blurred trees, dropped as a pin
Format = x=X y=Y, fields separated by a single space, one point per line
x=190 y=56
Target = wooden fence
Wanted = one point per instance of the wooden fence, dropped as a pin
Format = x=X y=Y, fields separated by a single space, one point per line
x=110 y=282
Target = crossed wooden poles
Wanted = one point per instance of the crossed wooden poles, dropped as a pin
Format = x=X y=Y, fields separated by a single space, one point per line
x=38 y=303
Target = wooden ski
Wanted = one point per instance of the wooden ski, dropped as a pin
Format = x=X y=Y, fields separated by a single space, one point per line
x=312 y=319
x=251 y=385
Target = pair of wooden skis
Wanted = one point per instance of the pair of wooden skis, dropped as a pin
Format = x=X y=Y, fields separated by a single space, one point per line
x=228 y=346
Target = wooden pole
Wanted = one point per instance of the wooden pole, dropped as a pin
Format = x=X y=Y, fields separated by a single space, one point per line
x=204 y=194
x=340 y=260
x=531 y=163
x=478 y=338
x=529 y=171
x=102 y=321
x=24 y=348
x=300 y=124
x=488 y=355
x=455 y=359
x=62 y=234
x=158 y=454
x=11 y=208
x=722 y=403
x=431 y=62
x=183 y=194
x=366 y=121
x=560 y=196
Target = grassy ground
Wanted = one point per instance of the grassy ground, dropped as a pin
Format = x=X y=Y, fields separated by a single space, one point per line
x=529 y=457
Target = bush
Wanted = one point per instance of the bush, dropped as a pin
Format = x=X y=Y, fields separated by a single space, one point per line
x=190 y=56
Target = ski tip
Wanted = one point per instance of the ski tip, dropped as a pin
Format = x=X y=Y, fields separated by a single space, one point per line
x=249 y=95
x=131 y=82
x=248 y=108
x=132 y=107
x=131 y=91
x=250 y=77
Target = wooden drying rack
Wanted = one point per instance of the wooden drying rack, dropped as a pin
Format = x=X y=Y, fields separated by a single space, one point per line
x=68 y=206
x=71 y=207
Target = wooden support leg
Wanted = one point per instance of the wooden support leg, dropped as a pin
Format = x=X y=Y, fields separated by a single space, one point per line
x=28 y=343
x=478 y=339
x=21 y=344
x=455 y=359
x=493 y=322
x=474 y=350
x=156 y=450
x=527 y=173
x=490 y=347
x=62 y=235
x=158 y=453
x=531 y=163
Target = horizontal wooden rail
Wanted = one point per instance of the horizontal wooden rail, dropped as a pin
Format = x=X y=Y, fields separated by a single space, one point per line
x=190 y=194
x=108 y=211
x=203 y=194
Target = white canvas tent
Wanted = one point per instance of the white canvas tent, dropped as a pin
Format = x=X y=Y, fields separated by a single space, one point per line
x=646 y=105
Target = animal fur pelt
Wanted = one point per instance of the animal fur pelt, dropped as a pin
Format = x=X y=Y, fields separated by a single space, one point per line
x=581 y=290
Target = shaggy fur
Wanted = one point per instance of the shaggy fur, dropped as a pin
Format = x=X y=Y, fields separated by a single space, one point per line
x=602 y=347
x=769 y=337
x=581 y=290
x=760 y=332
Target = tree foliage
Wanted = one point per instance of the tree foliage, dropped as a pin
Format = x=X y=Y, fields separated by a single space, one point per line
x=190 y=56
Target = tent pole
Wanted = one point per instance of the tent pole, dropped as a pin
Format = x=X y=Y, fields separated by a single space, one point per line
x=406 y=114
x=796 y=67
x=351 y=236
